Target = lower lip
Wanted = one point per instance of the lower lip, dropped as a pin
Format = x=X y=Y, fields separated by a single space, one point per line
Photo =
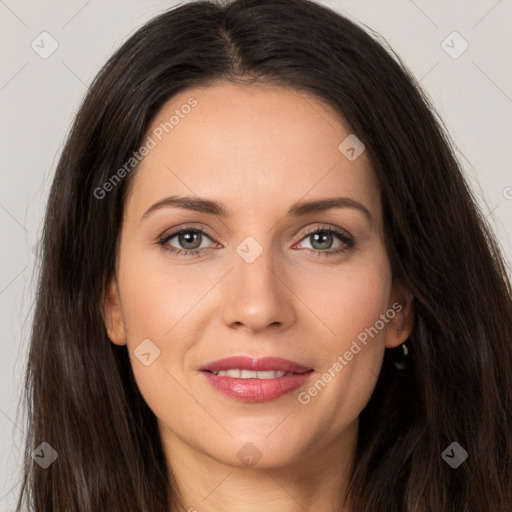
x=257 y=390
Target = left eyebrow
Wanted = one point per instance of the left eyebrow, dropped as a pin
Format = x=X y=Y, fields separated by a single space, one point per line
x=298 y=209
x=320 y=205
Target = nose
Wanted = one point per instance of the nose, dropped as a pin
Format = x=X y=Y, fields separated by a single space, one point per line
x=257 y=293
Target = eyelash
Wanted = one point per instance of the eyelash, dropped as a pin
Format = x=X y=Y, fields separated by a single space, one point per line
x=341 y=234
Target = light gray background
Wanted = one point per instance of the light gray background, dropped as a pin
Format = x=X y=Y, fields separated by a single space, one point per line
x=39 y=97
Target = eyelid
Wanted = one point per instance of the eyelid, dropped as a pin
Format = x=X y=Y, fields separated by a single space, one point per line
x=325 y=227
x=172 y=232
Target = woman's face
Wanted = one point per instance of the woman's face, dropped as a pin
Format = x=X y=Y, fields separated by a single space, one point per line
x=262 y=282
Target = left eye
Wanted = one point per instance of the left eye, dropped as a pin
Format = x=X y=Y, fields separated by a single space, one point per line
x=324 y=237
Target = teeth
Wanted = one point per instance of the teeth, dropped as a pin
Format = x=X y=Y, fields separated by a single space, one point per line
x=249 y=374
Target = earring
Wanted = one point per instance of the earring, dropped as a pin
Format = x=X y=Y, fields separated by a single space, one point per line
x=401 y=361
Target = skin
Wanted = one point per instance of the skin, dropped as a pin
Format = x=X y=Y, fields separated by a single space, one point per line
x=258 y=149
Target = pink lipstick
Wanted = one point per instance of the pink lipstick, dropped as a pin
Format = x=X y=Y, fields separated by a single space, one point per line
x=255 y=380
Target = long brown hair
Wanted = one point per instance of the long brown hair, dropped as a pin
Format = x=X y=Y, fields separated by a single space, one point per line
x=80 y=393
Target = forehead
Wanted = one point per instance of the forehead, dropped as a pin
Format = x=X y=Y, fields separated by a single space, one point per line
x=250 y=146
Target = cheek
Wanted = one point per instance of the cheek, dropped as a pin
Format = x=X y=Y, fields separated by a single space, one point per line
x=158 y=305
x=156 y=297
x=350 y=299
x=164 y=311
x=352 y=354
x=360 y=304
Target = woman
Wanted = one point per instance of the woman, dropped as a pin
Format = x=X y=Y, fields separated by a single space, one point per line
x=255 y=209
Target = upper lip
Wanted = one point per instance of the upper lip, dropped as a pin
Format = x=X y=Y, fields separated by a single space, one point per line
x=249 y=363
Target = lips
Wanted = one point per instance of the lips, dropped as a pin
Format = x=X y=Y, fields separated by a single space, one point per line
x=255 y=380
x=256 y=365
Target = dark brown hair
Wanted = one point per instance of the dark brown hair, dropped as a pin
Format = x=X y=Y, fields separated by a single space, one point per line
x=80 y=392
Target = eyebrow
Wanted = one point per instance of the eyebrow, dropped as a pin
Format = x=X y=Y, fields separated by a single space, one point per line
x=298 y=209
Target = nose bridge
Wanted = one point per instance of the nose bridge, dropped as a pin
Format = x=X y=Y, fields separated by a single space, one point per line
x=257 y=296
x=255 y=264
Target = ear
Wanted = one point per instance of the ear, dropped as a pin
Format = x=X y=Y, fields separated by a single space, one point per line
x=113 y=315
x=400 y=326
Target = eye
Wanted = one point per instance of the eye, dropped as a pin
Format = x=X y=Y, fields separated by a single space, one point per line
x=189 y=238
x=321 y=239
